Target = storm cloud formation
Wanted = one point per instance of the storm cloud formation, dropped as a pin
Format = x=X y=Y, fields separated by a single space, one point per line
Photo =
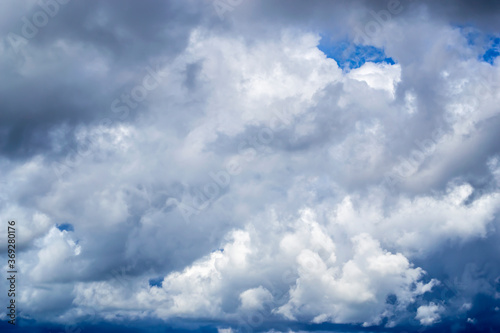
x=237 y=165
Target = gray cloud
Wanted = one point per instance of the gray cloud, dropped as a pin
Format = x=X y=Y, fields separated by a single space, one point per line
x=230 y=158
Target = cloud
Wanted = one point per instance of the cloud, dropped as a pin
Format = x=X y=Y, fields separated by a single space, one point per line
x=303 y=266
x=356 y=291
x=253 y=299
x=249 y=173
x=428 y=314
x=381 y=76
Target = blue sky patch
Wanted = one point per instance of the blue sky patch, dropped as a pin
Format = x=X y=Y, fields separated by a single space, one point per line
x=156 y=282
x=65 y=227
x=493 y=51
x=489 y=45
x=349 y=56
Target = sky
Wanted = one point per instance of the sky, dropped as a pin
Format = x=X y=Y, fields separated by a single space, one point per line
x=251 y=166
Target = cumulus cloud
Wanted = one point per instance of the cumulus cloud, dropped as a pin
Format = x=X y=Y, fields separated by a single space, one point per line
x=301 y=270
x=165 y=162
x=428 y=314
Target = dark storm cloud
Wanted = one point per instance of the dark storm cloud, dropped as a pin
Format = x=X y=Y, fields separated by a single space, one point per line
x=61 y=91
x=135 y=34
x=483 y=13
x=130 y=33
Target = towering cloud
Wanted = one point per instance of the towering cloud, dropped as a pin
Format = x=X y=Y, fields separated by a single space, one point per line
x=252 y=165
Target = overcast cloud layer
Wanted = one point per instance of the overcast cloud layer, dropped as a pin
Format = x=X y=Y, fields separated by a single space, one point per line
x=248 y=166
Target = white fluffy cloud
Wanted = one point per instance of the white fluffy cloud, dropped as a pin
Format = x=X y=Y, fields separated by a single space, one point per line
x=302 y=262
x=429 y=314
